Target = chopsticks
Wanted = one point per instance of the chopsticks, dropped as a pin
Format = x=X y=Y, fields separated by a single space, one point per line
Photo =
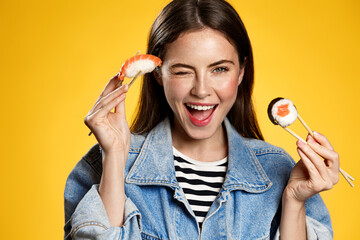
x=347 y=176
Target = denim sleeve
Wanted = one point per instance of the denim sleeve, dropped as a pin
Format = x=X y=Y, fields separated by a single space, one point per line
x=83 y=218
x=318 y=222
x=86 y=173
x=90 y=220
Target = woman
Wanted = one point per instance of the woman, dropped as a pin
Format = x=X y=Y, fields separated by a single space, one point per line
x=195 y=165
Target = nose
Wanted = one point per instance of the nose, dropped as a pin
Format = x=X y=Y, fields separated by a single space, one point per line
x=201 y=88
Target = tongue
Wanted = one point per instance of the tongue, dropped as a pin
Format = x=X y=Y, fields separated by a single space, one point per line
x=201 y=114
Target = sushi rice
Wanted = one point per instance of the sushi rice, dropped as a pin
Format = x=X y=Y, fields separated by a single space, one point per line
x=144 y=65
x=288 y=119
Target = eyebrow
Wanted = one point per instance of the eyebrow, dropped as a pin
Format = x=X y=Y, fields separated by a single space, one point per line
x=182 y=65
x=221 y=62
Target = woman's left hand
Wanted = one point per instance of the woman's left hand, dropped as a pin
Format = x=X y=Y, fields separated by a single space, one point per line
x=318 y=169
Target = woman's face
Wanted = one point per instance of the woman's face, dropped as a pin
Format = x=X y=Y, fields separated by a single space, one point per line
x=200 y=75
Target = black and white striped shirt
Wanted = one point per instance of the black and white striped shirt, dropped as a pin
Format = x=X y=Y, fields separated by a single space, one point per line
x=200 y=181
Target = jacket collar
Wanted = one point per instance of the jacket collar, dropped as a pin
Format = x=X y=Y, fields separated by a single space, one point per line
x=155 y=162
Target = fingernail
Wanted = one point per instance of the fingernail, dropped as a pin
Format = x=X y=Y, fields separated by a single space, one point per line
x=126 y=86
x=310 y=141
x=300 y=143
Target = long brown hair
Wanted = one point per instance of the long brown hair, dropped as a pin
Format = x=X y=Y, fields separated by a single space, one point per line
x=178 y=17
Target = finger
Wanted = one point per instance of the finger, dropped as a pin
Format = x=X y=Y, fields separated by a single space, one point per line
x=322 y=140
x=314 y=158
x=331 y=157
x=108 y=98
x=110 y=86
x=312 y=171
x=105 y=109
x=94 y=121
x=319 y=182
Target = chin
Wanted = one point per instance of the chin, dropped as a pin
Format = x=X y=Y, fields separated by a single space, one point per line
x=201 y=133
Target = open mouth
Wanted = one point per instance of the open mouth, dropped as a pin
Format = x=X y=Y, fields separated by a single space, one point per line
x=200 y=115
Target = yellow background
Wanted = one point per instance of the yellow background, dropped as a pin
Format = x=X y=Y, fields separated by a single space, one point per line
x=56 y=56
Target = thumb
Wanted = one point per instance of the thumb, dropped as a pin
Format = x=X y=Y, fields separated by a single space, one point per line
x=120 y=107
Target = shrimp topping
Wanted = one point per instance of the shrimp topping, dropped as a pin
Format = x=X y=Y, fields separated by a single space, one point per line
x=139 y=64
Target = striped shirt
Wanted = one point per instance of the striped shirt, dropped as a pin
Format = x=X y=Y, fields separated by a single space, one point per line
x=200 y=181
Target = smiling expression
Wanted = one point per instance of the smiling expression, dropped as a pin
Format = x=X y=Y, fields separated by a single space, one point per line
x=200 y=75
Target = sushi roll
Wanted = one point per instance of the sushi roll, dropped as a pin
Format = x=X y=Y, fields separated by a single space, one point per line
x=282 y=112
x=139 y=65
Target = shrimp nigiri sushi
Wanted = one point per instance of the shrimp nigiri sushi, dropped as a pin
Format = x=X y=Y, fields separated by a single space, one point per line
x=282 y=112
x=142 y=64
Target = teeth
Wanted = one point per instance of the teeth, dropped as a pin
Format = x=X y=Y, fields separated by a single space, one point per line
x=200 y=108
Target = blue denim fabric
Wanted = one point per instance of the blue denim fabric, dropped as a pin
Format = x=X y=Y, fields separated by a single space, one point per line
x=247 y=207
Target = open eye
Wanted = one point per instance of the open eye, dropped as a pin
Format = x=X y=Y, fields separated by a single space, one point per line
x=220 y=69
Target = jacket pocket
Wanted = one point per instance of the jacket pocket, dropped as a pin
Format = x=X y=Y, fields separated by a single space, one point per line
x=148 y=236
x=265 y=238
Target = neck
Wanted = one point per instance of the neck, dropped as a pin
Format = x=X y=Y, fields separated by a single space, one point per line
x=209 y=149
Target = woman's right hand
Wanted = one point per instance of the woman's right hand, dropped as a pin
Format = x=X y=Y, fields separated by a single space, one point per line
x=112 y=132
x=110 y=128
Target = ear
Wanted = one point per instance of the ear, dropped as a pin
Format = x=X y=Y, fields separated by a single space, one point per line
x=157 y=74
x=242 y=72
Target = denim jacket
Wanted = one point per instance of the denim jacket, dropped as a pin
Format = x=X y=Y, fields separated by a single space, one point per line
x=247 y=207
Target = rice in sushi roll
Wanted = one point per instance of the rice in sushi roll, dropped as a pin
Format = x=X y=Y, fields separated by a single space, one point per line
x=282 y=112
